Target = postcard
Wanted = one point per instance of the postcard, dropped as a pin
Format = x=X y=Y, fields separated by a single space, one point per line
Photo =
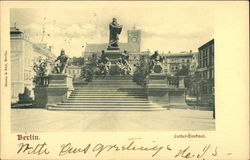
x=124 y=80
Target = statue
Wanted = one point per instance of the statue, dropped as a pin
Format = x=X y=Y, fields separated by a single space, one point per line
x=61 y=62
x=114 y=31
x=123 y=66
x=104 y=66
x=156 y=63
x=25 y=96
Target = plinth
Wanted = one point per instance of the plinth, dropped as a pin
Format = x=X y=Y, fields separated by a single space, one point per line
x=113 y=55
x=57 y=90
x=159 y=91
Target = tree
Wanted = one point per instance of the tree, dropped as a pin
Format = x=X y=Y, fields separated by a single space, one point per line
x=89 y=69
x=141 y=72
x=184 y=71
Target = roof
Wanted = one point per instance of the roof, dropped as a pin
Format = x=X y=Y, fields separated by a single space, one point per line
x=207 y=44
x=174 y=55
x=14 y=30
x=43 y=51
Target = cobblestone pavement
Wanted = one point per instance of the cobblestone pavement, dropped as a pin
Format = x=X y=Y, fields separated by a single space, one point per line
x=42 y=120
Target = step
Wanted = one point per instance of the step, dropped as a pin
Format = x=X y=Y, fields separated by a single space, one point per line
x=104 y=104
x=101 y=102
x=98 y=93
x=112 y=83
x=107 y=107
x=111 y=86
x=104 y=109
x=85 y=89
x=106 y=96
x=108 y=100
x=109 y=80
x=110 y=90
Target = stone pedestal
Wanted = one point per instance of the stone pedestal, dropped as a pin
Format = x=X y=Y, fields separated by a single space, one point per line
x=157 y=88
x=157 y=80
x=113 y=55
x=160 y=92
x=58 y=89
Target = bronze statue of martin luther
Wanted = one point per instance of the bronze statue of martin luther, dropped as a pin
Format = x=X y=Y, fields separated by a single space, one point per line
x=114 y=31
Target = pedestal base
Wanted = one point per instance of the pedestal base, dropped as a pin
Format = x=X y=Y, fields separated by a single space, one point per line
x=59 y=88
x=113 y=55
x=159 y=92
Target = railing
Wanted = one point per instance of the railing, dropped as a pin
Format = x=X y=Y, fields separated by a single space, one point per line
x=42 y=81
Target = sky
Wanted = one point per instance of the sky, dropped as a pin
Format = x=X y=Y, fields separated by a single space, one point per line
x=174 y=28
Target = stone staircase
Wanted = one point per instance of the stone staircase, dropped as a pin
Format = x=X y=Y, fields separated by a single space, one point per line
x=110 y=93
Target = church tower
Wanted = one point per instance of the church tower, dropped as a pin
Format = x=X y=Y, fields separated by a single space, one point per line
x=134 y=38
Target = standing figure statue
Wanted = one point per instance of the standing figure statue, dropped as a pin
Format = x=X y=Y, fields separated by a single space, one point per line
x=61 y=62
x=114 y=31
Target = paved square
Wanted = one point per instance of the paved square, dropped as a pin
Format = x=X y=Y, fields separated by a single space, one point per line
x=42 y=120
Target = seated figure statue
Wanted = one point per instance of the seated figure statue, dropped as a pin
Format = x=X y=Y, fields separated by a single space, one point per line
x=156 y=63
x=61 y=62
x=105 y=66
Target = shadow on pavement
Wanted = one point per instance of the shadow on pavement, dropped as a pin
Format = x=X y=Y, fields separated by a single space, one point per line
x=24 y=106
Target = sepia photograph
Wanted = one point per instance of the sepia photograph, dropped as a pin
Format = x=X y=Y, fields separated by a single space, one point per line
x=124 y=80
x=99 y=69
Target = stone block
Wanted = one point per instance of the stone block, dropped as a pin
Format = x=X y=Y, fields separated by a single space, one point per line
x=60 y=81
x=59 y=88
x=160 y=92
x=113 y=55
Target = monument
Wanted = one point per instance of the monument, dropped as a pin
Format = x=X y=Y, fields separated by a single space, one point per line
x=159 y=90
x=61 y=62
x=55 y=87
x=114 y=30
x=113 y=51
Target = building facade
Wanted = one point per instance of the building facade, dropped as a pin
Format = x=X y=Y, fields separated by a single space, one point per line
x=194 y=64
x=23 y=55
x=205 y=67
x=74 y=71
x=201 y=88
x=173 y=62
